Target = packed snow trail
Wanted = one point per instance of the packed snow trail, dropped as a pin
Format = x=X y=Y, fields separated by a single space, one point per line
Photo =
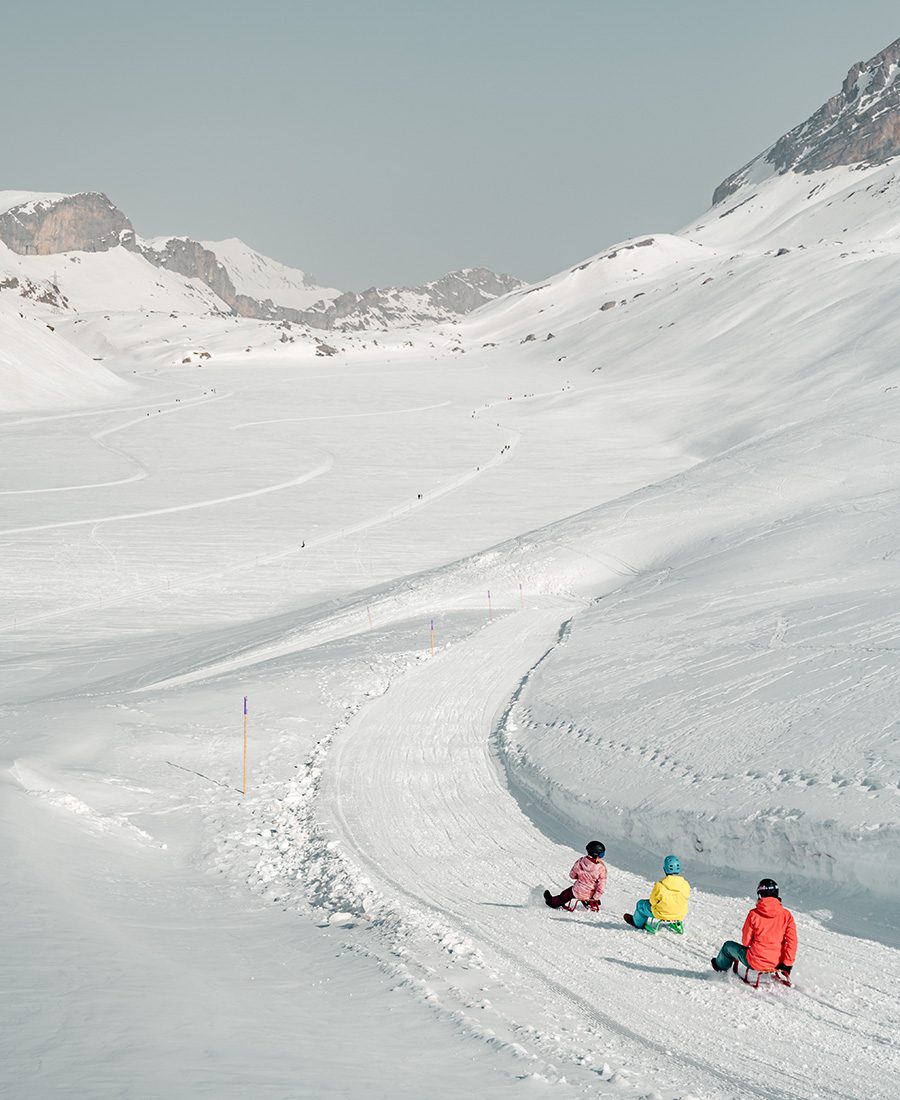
x=422 y=808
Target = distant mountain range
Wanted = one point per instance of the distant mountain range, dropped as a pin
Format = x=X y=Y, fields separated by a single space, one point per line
x=243 y=281
x=794 y=263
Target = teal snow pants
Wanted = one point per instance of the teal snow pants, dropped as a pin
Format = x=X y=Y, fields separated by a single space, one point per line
x=731 y=952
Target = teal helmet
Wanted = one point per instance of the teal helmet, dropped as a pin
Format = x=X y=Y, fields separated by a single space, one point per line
x=672 y=865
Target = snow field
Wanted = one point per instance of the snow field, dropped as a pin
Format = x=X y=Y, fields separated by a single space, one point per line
x=684 y=507
x=418 y=803
x=40 y=369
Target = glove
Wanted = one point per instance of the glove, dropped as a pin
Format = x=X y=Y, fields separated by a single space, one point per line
x=784 y=968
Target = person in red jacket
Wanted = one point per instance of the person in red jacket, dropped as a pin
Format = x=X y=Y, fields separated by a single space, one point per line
x=769 y=935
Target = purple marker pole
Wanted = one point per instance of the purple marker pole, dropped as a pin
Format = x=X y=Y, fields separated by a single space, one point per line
x=245 y=746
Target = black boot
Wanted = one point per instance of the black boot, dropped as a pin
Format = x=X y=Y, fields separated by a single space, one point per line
x=717 y=969
x=629 y=919
x=548 y=899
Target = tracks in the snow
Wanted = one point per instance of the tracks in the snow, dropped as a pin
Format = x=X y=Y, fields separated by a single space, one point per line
x=416 y=798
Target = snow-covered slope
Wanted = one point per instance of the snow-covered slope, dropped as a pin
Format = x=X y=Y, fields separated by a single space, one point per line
x=114 y=281
x=612 y=557
x=218 y=276
x=228 y=538
x=39 y=369
x=264 y=279
x=759 y=341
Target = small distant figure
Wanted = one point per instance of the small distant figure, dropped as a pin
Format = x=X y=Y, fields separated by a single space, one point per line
x=302 y=545
x=668 y=901
x=769 y=936
x=418 y=496
x=589 y=874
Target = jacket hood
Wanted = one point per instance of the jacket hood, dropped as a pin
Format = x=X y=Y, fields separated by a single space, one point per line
x=768 y=906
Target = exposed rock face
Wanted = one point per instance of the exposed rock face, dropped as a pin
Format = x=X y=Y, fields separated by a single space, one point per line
x=46 y=293
x=87 y=222
x=191 y=259
x=861 y=124
x=462 y=291
x=453 y=295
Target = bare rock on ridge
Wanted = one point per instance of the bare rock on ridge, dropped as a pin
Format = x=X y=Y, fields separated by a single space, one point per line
x=89 y=222
x=454 y=294
x=861 y=124
x=86 y=222
x=189 y=258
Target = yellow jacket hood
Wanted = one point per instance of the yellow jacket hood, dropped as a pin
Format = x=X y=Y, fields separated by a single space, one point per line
x=669 y=898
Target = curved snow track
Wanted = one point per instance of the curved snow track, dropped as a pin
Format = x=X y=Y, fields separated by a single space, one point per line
x=421 y=807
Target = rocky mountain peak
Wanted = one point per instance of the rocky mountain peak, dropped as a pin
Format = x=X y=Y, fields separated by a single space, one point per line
x=444 y=299
x=861 y=124
x=41 y=224
x=84 y=222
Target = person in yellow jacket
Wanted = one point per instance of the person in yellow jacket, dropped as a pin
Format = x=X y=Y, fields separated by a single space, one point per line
x=668 y=899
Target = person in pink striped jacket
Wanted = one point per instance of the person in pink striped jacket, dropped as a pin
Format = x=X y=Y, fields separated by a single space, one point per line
x=589 y=874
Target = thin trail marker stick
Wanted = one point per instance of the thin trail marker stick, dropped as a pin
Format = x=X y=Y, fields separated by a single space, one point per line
x=490 y=609
x=245 y=746
x=521 y=597
x=208 y=778
x=432 y=637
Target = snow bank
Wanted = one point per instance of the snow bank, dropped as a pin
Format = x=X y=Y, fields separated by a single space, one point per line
x=39 y=369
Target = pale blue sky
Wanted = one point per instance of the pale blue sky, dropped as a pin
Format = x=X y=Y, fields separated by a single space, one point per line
x=388 y=141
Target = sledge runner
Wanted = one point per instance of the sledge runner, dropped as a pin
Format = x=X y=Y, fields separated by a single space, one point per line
x=769 y=937
x=668 y=901
x=589 y=874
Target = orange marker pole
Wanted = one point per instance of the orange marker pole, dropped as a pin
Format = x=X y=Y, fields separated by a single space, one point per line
x=245 y=746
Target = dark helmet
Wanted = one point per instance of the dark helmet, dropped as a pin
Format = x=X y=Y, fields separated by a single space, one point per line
x=672 y=865
x=595 y=849
x=768 y=888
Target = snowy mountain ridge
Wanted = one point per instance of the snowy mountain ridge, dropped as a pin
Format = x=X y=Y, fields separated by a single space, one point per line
x=259 y=277
x=859 y=125
x=247 y=283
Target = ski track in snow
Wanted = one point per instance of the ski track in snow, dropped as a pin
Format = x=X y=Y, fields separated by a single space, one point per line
x=397 y=512
x=425 y=820
x=316 y=471
x=339 y=416
x=162 y=409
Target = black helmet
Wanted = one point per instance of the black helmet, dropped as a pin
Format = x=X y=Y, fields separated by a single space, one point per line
x=768 y=888
x=595 y=849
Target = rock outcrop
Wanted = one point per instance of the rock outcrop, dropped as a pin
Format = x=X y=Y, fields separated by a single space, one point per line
x=189 y=258
x=453 y=295
x=89 y=222
x=861 y=124
x=86 y=222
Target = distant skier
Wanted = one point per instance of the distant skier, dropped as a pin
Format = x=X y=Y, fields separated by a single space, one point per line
x=668 y=899
x=589 y=874
x=769 y=936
